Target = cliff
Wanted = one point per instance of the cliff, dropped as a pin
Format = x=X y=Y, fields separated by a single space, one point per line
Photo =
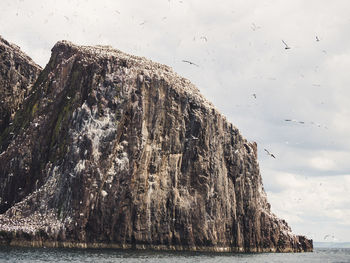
x=114 y=150
x=17 y=76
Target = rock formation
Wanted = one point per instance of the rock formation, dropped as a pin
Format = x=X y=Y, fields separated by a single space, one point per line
x=17 y=75
x=114 y=150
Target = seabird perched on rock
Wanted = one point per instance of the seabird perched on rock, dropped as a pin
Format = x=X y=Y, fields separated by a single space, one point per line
x=287 y=47
x=269 y=153
x=193 y=137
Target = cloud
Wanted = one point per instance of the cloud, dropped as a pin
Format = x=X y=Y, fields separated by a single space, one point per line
x=243 y=55
x=322 y=163
x=320 y=206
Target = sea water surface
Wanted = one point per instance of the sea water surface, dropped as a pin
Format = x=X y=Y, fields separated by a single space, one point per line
x=37 y=255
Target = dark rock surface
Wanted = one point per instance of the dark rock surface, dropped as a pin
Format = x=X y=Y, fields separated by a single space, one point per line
x=17 y=76
x=113 y=150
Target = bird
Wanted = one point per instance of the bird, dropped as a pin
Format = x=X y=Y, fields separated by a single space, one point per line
x=204 y=38
x=254 y=95
x=189 y=62
x=296 y=121
x=287 y=47
x=327 y=236
x=269 y=153
x=317 y=39
x=311 y=122
x=255 y=27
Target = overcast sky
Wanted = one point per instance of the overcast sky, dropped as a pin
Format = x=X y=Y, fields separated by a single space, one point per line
x=245 y=70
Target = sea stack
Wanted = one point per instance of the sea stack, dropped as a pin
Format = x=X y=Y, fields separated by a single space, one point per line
x=113 y=150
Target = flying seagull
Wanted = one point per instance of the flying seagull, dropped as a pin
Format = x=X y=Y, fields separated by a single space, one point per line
x=327 y=236
x=296 y=121
x=255 y=27
x=189 y=62
x=287 y=47
x=269 y=153
x=303 y=122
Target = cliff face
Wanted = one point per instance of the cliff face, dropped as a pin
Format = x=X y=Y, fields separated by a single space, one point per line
x=17 y=74
x=113 y=150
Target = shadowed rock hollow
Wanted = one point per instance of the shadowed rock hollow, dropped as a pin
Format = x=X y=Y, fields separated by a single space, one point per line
x=114 y=150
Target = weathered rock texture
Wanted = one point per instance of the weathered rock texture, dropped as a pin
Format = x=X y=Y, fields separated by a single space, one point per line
x=113 y=150
x=17 y=74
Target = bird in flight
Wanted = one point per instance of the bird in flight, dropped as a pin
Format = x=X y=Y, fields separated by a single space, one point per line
x=296 y=121
x=189 y=62
x=317 y=39
x=287 y=47
x=254 y=95
x=269 y=153
x=303 y=122
x=255 y=27
x=327 y=237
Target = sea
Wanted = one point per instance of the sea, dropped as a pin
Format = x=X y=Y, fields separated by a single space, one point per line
x=38 y=255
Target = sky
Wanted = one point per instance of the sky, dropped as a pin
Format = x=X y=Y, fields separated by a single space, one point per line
x=246 y=72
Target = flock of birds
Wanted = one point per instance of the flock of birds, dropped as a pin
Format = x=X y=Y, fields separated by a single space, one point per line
x=286 y=47
x=290 y=120
x=255 y=27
